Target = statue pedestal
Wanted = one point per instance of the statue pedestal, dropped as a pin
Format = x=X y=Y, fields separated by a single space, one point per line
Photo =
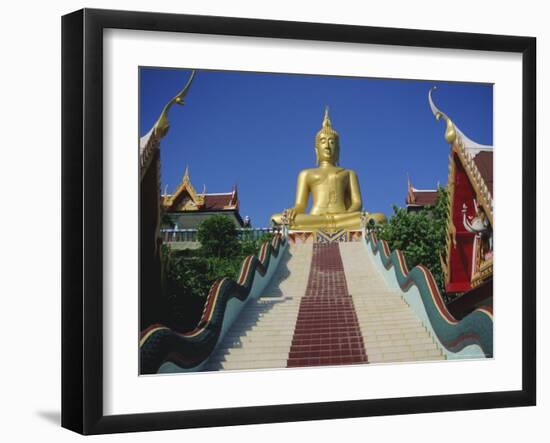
x=344 y=235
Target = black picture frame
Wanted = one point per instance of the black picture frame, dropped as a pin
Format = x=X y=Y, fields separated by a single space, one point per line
x=82 y=218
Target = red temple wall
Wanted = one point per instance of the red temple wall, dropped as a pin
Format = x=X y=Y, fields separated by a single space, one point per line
x=460 y=263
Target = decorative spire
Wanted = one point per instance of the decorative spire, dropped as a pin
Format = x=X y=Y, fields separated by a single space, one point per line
x=450 y=132
x=162 y=125
x=326 y=119
x=453 y=134
x=326 y=128
x=150 y=142
x=185 y=186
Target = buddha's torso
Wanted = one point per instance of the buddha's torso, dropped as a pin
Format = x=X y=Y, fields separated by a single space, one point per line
x=330 y=190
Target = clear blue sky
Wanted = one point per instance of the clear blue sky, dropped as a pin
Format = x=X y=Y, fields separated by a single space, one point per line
x=258 y=130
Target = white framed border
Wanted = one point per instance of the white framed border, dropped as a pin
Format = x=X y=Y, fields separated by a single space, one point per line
x=125 y=392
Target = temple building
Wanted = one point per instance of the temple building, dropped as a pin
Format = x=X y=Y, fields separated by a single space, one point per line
x=468 y=261
x=185 y=208
x=418 y=199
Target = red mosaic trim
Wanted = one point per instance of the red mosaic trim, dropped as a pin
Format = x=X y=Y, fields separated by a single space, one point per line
x=327 y=331
x=434 y=290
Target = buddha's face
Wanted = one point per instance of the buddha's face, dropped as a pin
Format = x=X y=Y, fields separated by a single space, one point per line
x=327 y=148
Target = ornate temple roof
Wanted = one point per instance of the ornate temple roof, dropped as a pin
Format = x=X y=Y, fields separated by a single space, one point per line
x=420 y=197
x=467 y=262
x=185 y=198
x=219 y=201
x=476 y=158
x=484 y=163
x=472 y=147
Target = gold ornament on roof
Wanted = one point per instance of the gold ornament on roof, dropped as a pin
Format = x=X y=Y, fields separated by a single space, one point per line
x=450 y=131
x=185 y=196
x=162 y=125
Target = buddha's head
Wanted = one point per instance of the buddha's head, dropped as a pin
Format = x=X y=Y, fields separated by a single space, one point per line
x=327 y=143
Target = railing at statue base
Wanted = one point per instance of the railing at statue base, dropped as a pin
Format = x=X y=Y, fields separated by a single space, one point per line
x=319 y=236
x=300 y=236
x=175 y=235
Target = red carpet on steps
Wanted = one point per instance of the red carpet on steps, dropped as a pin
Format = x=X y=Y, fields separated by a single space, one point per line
x=326 y=331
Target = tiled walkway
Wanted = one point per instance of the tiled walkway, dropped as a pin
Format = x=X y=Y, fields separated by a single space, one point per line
x=327 y=304
x=327 y=331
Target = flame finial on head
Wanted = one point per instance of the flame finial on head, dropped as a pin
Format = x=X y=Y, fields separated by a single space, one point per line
x=326 y=119
x=327 y=130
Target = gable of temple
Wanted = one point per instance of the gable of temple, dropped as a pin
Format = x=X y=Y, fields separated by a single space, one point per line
x=468 y=260
x=419 y=198
x=187 y=208
x=184 y=198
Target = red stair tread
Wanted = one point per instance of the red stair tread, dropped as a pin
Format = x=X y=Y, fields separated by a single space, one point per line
x=327 y=331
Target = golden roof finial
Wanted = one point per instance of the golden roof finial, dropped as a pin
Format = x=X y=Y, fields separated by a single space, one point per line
x=162 y=125
x=450 y=132
x=186 y=174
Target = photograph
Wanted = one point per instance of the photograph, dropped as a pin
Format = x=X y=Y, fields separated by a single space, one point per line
x=291 y=220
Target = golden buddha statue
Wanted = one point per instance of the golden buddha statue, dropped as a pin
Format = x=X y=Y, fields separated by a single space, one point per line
x=336 y=198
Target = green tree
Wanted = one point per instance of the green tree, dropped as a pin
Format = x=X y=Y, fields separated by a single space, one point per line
x=251 y=246
x=189 y=274
x=218 y=237
x=421 y=236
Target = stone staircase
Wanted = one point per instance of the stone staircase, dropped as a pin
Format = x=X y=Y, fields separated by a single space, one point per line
x=262 y=337
x=391 y=331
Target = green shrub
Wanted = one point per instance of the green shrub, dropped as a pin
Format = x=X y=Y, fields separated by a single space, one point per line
x=421 y=236
x=218 y=237
x=189 y=274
